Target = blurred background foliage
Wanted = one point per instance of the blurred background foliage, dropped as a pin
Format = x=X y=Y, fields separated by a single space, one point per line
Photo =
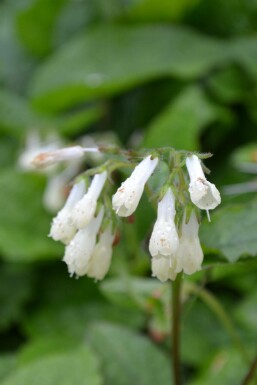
x=139 y=73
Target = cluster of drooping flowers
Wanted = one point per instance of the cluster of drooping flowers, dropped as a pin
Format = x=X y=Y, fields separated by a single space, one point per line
x=86 y=224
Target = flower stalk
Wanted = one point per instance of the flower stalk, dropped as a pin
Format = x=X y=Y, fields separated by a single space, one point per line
x=175 y=329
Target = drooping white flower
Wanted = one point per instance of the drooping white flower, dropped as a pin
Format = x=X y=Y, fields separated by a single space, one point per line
x=164 y=240
x=33 y=146
x=127 y=197
x=100 y=260
x=49 y=158
x=163 y=269
x=79 y=251
x=63 y=228
x=85 y=208
x=189 y=254
x=203 y=194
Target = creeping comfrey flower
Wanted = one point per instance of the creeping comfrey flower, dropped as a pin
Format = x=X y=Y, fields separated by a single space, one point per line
x=164 y=240
x=79 y=251
x=63 y=228
x=189 y=255
x=163 y=269
x=85 y=208
x=203 y=193
x=100 y=260
x=127 y=197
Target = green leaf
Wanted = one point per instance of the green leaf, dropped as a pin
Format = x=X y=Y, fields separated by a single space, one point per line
x=231 y=232
x=73 y=320
x=35 y=24
x=128 y=358
x=7 y=365
x=43 y=347
x=226 y=368
x=78 y=367
x=24 y=223
x=246 y=312
x=181 y=122
x=112 y=58
x=16 y=114
x=16 y=283
x=145 y=10
x=130 y=292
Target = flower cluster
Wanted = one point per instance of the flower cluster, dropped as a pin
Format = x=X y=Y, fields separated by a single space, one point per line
x=87 y=228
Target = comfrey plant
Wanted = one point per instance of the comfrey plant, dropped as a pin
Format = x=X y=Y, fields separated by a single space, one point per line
x=88 y=221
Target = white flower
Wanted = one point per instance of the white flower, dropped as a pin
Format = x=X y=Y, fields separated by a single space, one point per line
x=163 y=269
x=190 y=254
x=63 y=228
x=164 y=240
x=127 y=197
x=79 y=251
x=100 y=260
x=50 y=158
x=203 y=193
x=84 y=210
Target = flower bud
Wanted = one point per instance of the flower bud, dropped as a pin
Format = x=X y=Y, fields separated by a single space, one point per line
x=79 y=251
x=127 y=197
x=85 y=208
x=100 y=260
x=49 y=158
x=63 y=228
x=164 y=240
x=162 y=269
x=190 y=254
x=202 y=193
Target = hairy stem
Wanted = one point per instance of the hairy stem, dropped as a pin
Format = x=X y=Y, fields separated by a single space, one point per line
x=175 y=331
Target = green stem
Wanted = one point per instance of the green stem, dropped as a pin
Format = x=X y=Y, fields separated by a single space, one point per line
x=175 y=331
x=220 y=312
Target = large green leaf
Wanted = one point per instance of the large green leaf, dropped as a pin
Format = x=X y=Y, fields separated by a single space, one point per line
x=17 y=116
x=35 y=24
x=232 y=232
x=226 y=368
x=78 y=367
x=112 y=58
x=181 y=122
x=128 y=358
x=24 y=224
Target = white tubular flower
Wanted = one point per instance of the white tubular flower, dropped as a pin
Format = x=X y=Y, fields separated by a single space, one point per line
x=49 y=158
x=190 y=254
x=84 y=210
x=100 y=260
x=161 y=269
x=127 y=197
x=63 y=228
x=164 y=240
x=203 y=193
x=79 y=251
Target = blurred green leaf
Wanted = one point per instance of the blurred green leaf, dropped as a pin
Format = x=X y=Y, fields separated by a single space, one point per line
x=43 y=347
x=158 y=10
x=226 y=368
x=130 y=291
x=128 y=358
x=35 y=24
x=246 y=312
x=232 y=232
x=73 y=320
x=78 y=367
x=113 y=58
x=7 y=365
x=15 y=291
x=181 y=122
x=16 y=65
x=25 y=225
